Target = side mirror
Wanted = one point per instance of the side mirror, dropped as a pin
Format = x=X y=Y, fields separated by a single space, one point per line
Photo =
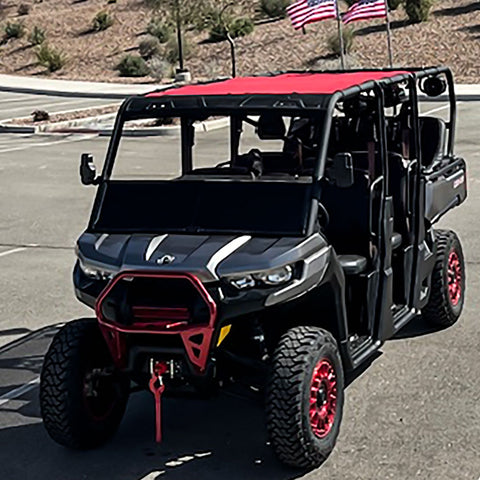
x=88 y=172
x=433 y=86
x=343 y=170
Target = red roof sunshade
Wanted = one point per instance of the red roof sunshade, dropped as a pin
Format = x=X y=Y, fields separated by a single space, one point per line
x=284 y=84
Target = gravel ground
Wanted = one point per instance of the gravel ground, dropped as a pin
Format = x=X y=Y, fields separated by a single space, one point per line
x=450 y=37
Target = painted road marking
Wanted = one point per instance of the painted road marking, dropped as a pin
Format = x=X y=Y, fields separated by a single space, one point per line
x=18 y=392
x=438 y=109
x=53 y=105
x=10 y=252
x=48 y=144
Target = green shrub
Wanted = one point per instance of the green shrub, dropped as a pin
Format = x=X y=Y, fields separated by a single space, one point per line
x=241 y=27
x=160 y=29
x=14 y=30
x=154 y=4
x=102 y=21
x=37 y=36
x=50 y=58
x=333 y=41
x=238 y=27
x=171 y=50
x=394 y=4
x=159 y=68
x=133 y=66
x=149 y=47
x=418 y=10
x=23 y=9
x=40 y=116
x=274 y=8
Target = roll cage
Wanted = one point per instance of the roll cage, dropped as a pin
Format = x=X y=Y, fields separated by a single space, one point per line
x=318 y=107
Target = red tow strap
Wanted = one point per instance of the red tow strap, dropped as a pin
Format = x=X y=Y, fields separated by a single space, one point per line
x=157 y=369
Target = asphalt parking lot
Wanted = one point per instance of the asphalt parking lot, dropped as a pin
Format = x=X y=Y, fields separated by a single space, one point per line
x=413 y=414
x=15 y=105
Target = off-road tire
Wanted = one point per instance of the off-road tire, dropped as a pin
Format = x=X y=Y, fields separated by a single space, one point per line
x=440 y=311
x=288 y=396
x=75 y=350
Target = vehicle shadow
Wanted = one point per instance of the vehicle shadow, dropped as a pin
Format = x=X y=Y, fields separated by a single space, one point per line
x=416 y=328
x=216 y=439
x=213 y=439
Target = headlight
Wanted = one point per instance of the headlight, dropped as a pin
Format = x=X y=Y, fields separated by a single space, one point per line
x=276 y=277
x=241 y=283
x=272 y=278
x=94 y=273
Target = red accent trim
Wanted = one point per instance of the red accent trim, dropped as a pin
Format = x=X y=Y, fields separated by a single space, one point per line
x=158 y=370
x=454 y=278
x=156 y=313
x=284 y=84
x=114 y=333
x=323 y=398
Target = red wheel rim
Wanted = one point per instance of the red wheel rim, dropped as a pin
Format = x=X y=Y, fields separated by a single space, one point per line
x=323 y=398
x=454 y=278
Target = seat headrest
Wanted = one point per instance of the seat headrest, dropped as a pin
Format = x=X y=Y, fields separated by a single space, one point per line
x=433 y=133
x=271 y=127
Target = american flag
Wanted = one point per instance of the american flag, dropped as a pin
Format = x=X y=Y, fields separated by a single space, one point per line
x=304 y=12
x=365 y=9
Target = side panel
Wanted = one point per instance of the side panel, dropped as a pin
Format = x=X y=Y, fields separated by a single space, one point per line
x=445 y=189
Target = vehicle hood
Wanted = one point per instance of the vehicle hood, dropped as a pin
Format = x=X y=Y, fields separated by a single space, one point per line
x=209 y=257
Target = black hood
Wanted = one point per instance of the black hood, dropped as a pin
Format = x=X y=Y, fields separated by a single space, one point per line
x=207 y=256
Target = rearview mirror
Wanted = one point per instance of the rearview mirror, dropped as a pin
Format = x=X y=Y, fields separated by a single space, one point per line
x=88 y=172
x=343 y=170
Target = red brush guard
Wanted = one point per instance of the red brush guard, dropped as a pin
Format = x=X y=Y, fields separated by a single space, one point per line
x=145 y=303
x=158 y=304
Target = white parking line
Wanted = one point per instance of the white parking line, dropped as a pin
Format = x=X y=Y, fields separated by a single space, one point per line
x=438 y=109
x=9 y=252
x=48 y=144
x=16 y=100
x=53 y=105
x=18 y=392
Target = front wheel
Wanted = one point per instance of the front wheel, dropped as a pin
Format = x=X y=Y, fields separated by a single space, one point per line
x=82 y=396
x=448 y=281
x=305 y=397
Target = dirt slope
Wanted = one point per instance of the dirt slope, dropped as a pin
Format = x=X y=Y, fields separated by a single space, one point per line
x=452 y=37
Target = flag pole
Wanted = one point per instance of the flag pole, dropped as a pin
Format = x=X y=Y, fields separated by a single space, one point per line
x=340 y=36
x=389 y=36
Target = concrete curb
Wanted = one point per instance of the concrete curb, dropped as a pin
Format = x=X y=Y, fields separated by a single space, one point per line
x=119 y=91
x=167 y=131
x=75 y=89
x=84 y=126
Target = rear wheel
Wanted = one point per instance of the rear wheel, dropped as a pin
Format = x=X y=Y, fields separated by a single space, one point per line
x=82 y=396
x=448 y=281
x=305 y=397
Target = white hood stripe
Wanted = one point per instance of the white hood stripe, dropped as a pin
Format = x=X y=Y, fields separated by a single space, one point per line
x=100 y=241
x=225 y=252
x=153 y=245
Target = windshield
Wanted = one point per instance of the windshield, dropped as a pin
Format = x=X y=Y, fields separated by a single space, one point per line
x=242 y=174
x=195 y=206
x=276 y=143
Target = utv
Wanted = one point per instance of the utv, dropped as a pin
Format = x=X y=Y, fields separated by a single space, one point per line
x=281 y=267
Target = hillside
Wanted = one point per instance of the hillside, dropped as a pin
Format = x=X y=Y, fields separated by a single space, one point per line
x=451 y=37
